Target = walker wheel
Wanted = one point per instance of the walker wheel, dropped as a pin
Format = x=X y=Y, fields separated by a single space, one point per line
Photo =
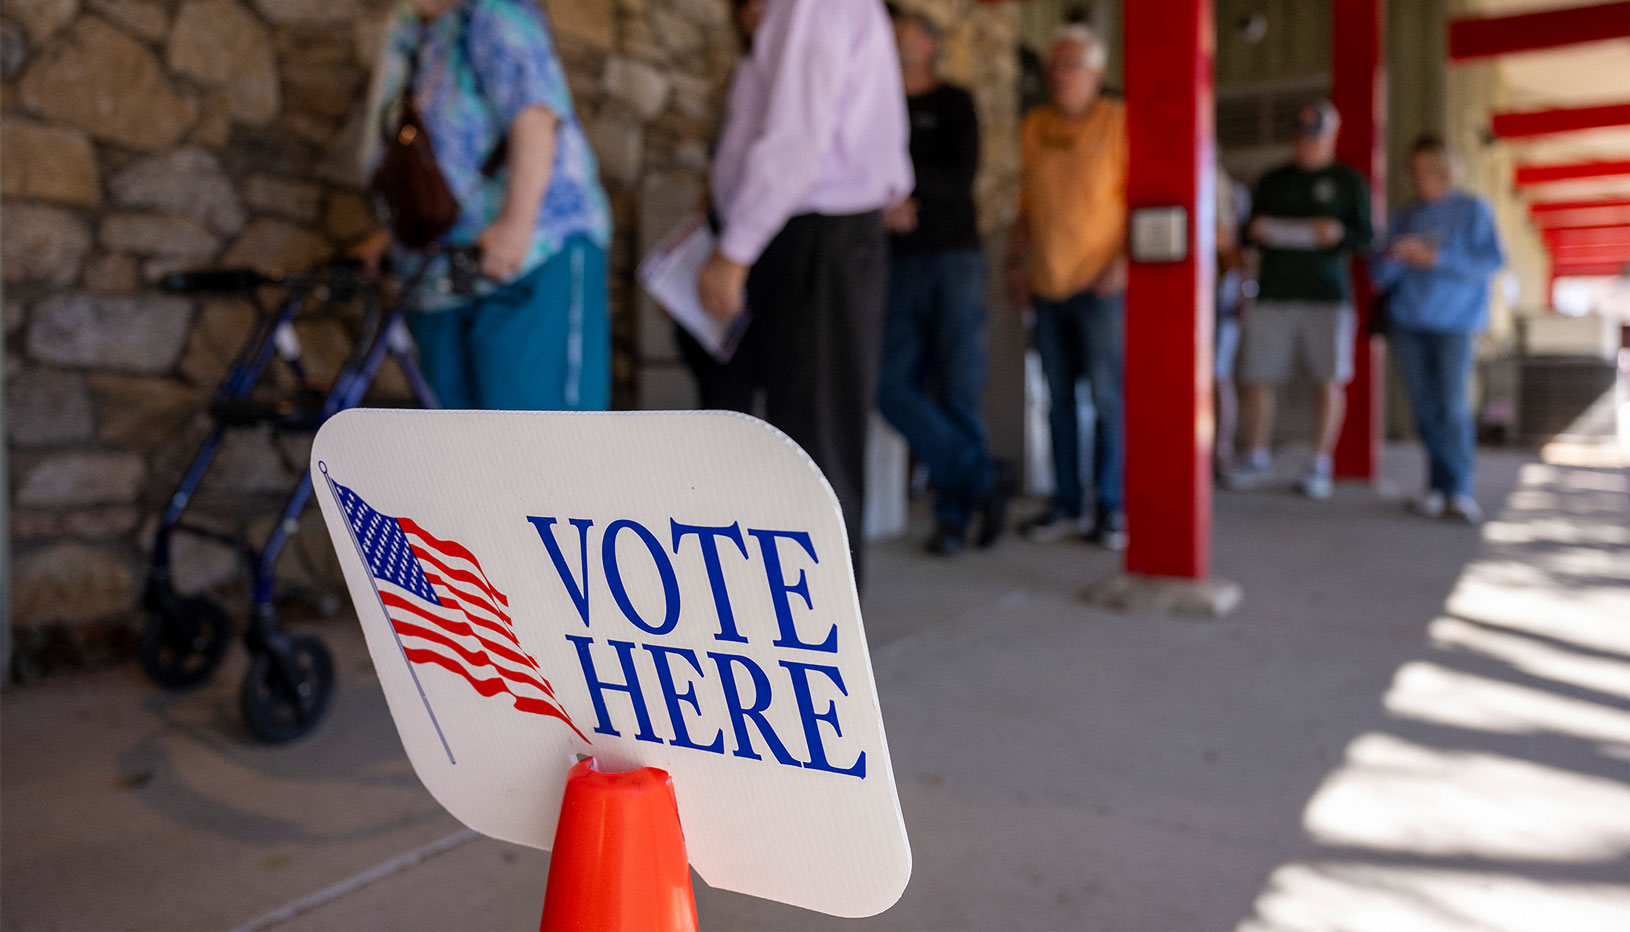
x=183 y=641
x=287 y=689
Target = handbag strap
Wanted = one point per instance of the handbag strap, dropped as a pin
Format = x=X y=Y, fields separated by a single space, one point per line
x=500 y=151
x=390 y=129
x=416 y=61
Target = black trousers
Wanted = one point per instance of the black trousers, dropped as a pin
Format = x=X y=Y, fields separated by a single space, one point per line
x=720 y=386
x=817 y=296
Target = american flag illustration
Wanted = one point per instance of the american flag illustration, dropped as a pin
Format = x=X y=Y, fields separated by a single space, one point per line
x=445 y=611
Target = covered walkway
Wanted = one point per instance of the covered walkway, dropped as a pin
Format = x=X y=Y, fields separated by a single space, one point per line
x=1408 y=725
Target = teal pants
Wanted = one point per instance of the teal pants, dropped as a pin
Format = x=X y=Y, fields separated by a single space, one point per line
x=539 y=343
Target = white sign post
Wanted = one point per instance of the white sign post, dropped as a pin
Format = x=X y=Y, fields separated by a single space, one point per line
x=667 y=590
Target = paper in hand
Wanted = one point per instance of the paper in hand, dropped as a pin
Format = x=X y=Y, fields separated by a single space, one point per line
x=1284 y=233
x=669 y=275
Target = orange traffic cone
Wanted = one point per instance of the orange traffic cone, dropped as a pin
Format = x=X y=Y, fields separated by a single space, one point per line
x=619 y=858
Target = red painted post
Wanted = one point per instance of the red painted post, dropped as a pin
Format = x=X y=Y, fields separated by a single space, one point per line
x=1170 y=47
x=1358 y=88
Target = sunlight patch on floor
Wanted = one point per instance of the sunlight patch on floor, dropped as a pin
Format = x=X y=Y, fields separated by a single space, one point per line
x=1512 y=750
x=1596 y=619
x=1557 y=530
x=1557 y=564
x=1341 y=895
x=1442 y=696
x=1594 y=455
x=1535 y=657
x=1397 y=796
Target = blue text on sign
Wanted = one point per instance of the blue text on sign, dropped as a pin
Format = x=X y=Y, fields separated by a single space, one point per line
x=743 y=686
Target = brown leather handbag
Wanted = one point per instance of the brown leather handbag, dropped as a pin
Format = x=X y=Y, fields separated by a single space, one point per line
x=413 y=194
x=411 y=191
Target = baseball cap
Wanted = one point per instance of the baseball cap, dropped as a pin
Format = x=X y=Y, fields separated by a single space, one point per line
x=1317 y=118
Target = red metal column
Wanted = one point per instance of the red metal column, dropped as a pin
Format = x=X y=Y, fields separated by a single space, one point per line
x=1358 y=88
x=1169 y=48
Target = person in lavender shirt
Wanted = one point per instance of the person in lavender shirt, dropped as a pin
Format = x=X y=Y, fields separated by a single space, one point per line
x=814 y=146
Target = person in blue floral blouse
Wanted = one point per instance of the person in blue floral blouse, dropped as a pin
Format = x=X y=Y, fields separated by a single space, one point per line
x=536 y=334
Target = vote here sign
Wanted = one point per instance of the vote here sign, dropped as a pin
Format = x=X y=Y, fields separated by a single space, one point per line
x=664 y=590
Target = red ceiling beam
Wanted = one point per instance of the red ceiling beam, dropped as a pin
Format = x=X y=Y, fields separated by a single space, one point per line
x=1588 y=236
x=1601 y=249
x=1530 y=175
x=1606 y=216
x=1568 y=120
x=1590 y=270
x=1549 y=207
x=1561 y=214
x=1591 y=255
x=1483 y=37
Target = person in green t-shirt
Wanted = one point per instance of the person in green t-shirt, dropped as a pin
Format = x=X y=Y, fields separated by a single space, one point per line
x=1308 y=218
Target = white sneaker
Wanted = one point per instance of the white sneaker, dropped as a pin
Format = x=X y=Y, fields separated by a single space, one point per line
x=1464 y=508
x=1110 y=531
x=1317 y=486
x=1429 y=504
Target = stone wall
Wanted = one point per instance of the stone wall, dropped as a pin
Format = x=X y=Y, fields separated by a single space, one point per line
x=141 y=136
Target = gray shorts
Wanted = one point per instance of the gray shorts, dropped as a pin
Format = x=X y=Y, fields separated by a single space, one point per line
x=1227 y=348
x=1276 y=333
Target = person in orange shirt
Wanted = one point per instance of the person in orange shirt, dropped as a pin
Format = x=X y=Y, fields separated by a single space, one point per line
x=1068 y=261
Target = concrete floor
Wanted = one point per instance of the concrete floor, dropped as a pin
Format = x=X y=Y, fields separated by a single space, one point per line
x=1408 y=725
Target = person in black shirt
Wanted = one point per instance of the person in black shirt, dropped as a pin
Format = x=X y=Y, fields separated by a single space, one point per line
x=933 y=366
x=1308 y=218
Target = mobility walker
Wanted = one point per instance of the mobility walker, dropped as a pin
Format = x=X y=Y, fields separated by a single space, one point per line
x=291 y=677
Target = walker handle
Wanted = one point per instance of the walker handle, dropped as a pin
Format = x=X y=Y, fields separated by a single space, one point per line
x=233 y=281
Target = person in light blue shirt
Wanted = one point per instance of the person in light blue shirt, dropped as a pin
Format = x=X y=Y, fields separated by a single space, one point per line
x=1442 y=251
x=492 y=93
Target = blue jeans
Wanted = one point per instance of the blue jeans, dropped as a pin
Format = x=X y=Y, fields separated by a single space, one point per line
x=1436 y=370
x=932 y=380
x=1084 y=335
x=539 y=343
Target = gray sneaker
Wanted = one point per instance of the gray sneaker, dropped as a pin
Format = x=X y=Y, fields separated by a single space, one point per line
x=1110 y=531
x=1247 y=477
x=1428 y=505
x=1050 y=527
x=1464 y=508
